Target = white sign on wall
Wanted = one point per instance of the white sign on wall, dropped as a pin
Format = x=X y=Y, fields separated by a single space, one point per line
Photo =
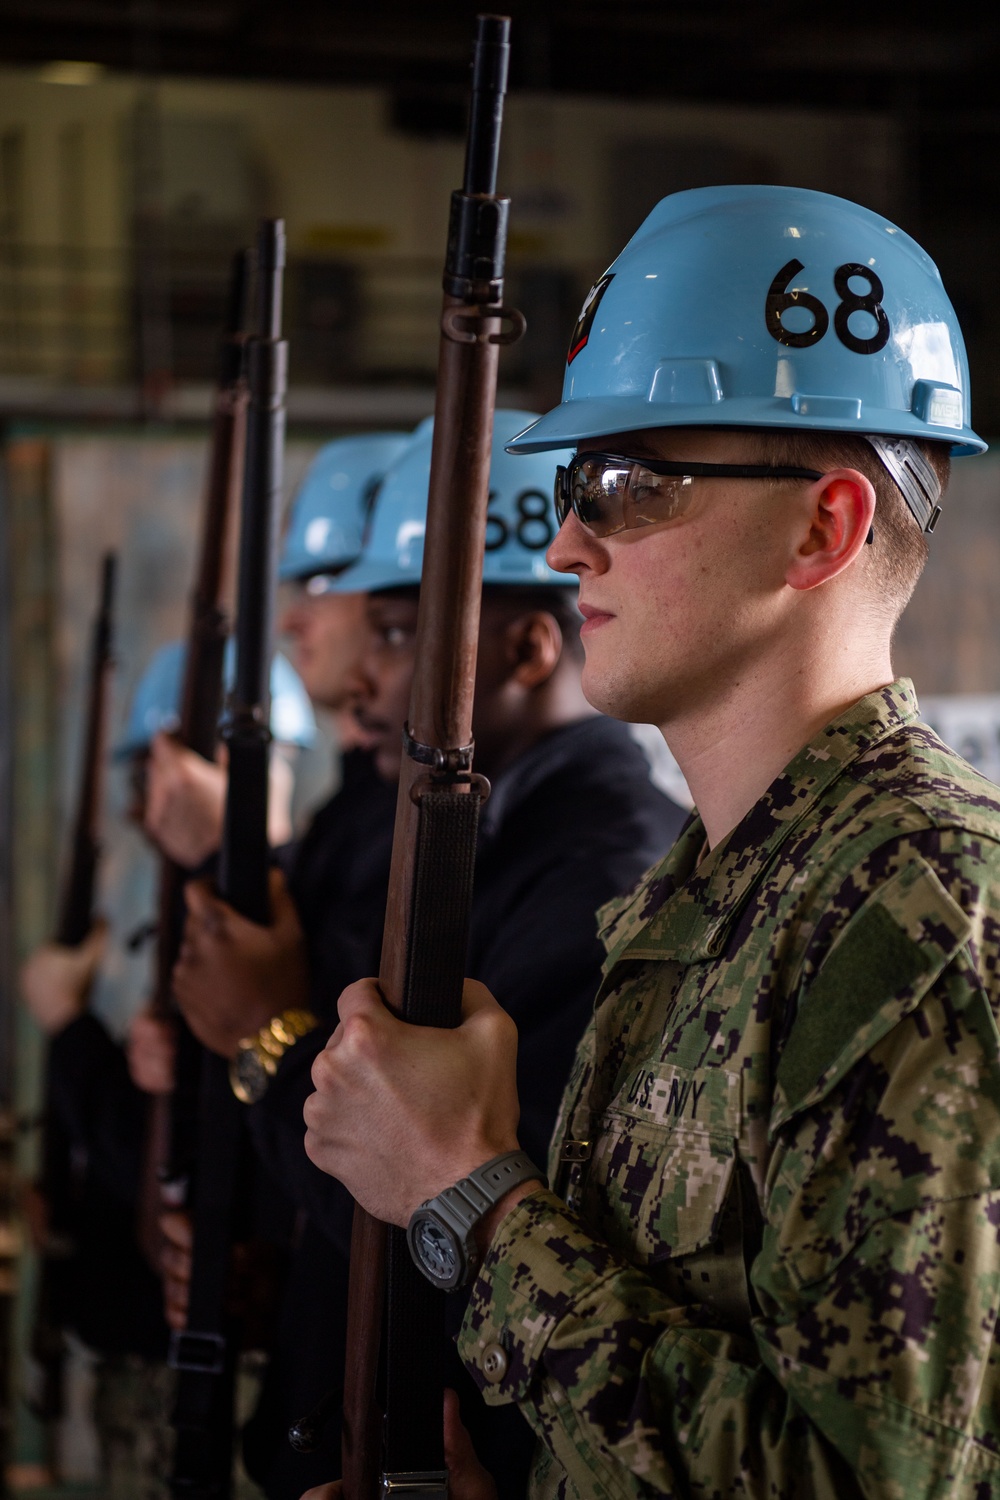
x=970 y=724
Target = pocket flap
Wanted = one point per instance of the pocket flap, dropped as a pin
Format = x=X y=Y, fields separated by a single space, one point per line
x=879 y=968
x=663 y=1161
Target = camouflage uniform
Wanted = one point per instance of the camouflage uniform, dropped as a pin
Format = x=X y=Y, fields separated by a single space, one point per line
x=774 y=1267
x=133 y=1406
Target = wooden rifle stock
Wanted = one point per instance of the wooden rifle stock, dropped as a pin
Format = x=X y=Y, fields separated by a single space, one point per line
x=74 y=921
x=423 y=965
x=166 y=1161
x=205 y=1354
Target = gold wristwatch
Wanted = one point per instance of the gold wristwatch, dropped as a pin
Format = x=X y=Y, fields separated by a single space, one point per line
x=258 y=1056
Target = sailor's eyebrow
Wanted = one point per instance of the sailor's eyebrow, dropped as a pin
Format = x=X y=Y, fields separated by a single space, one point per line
x=642 y=450
x=637 y=445
x=634 y=448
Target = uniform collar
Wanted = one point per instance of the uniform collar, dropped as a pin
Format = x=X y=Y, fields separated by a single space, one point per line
x=684 y=911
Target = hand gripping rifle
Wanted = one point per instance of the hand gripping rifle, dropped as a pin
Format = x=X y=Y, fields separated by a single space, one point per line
x=205 y=1353
x=75 y=920
x=168 y=1139
x=430 y=890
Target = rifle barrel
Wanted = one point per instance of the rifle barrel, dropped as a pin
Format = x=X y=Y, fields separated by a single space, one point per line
x=489 y=85
x=169 y=1147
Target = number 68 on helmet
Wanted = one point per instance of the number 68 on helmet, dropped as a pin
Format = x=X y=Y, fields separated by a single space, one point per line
x=765 y=307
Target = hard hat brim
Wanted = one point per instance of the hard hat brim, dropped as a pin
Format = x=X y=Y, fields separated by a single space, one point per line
x=368 y=577
x=299 y=574
x=376 y=576
x=574 y=422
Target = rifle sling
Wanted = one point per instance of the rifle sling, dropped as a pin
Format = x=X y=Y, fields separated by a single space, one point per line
x=439 y=941
x=205 y=1353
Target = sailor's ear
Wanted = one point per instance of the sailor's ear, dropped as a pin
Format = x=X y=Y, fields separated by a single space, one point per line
x=534 y=644
x=837 y=514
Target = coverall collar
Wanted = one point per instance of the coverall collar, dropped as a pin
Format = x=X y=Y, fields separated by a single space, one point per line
x=684 y=909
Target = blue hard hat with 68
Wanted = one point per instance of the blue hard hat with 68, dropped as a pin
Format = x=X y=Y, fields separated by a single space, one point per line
x=765 y=307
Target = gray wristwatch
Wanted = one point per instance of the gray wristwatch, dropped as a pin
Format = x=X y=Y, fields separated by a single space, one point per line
x=441 y=1232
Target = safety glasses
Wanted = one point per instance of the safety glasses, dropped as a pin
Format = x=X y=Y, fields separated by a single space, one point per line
x=608 y=492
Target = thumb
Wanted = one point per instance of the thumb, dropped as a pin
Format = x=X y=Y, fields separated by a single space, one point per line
x=466 y=1476
x=284 y=912
x=178 y=1229
x=201 y=900
x=164 y=748
x=96 y=940
x=476 y=998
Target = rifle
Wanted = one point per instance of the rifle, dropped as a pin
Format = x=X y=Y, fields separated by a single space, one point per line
x=74 y=921
x=76 y=909
x=168 y=1148
x=205 y=1353
x=430 y=886
x=8 y=1201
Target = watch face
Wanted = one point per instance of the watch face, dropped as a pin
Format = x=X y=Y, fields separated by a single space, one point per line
x=249 y=1078
x=436 y=1251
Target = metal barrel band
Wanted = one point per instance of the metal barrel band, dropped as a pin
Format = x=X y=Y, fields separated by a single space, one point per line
x=246 y=718
x=453 y=317
x=457 y=758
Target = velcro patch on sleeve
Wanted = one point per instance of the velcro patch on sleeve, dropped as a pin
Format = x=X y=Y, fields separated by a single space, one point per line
x=884 y=961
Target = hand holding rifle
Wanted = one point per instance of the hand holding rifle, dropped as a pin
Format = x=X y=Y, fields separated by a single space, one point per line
x=233 y=975
x=56 y=979
x=467 y=1479
x=185 y=801
x=437 y=1102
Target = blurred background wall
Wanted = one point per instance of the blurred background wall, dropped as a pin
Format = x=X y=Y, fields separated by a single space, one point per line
x=121 y=201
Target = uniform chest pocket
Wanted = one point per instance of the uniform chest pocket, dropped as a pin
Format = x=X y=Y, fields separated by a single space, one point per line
x=663 y=1159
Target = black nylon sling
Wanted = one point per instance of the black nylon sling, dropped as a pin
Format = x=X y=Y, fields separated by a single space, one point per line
x=414 y=1336
x=206 y=1352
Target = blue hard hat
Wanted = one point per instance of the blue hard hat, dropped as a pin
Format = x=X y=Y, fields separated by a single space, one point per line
x=330 y=511
x=765 y=307
x=292 y=719
x=521 y=518
x=156 y=702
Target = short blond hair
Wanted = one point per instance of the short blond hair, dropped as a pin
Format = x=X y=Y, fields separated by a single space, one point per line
x=899 y=551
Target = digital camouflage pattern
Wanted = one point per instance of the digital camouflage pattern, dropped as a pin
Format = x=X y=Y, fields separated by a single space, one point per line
x=777 y=1270
x=133 y=1402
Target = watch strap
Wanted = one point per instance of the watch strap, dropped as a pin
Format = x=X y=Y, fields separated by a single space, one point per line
x=497 y=1176
x=472 y=1197
x=268 y=1046
x=461 y=1207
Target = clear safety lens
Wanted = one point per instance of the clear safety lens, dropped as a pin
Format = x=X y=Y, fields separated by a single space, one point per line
x=609 y=495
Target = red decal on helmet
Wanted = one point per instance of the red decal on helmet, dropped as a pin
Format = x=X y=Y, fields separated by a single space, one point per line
x=584 y=323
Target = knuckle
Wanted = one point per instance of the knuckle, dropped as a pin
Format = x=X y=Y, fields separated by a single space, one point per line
x=358 y=1035
x=314 y=1148
x=322 y=1074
